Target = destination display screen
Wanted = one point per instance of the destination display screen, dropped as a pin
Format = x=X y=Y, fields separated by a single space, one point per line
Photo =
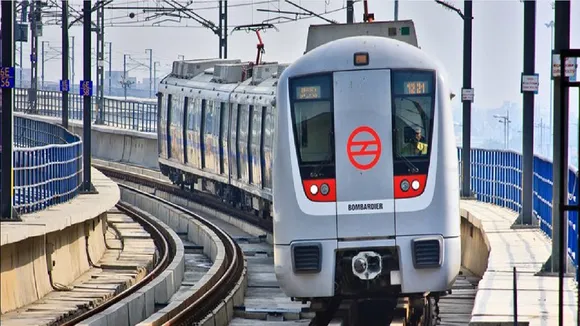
x=308 y=92
x=416 y=87
x=412 y=82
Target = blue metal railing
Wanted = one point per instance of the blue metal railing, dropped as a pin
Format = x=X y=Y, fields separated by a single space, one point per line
x=47 y=165
x=137 y=114
x=496 y=179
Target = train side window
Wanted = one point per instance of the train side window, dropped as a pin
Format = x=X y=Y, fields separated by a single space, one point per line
x=222 y=136
x=223 y=122
x=176 y=107
x=250 y=128
x=191 y=113
x=239 y=137
x=209 y=108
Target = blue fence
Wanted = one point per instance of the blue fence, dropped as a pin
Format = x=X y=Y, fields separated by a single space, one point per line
x=496 y=179
x=136 y=114
x=47 y=165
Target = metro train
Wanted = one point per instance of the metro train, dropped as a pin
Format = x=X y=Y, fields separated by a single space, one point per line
x=350 y=150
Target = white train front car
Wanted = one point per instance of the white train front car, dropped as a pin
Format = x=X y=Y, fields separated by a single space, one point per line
x=365 y=177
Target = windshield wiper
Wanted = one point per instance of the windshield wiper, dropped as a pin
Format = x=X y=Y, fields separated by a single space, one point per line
x=410 y=165
x=327 y=161
x=418 y=107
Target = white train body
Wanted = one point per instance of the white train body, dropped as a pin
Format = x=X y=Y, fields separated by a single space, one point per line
x=349 y=182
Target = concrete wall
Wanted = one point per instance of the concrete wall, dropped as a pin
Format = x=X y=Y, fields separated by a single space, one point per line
x=25 y=264
x=475 y=247
x=114 y=144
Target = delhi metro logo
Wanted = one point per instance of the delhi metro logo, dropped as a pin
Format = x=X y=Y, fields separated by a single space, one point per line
x=363 y=148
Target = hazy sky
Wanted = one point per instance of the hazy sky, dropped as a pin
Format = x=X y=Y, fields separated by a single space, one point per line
x=497 y=40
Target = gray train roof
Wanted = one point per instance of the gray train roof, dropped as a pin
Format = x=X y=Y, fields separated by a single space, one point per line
x=225 y=75
x=400 y=30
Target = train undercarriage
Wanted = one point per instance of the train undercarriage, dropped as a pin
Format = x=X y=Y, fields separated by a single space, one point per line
x=367 y=292
x=419 y=310
x=231 y=195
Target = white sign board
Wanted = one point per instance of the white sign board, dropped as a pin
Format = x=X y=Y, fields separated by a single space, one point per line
x=571 y=67
x=467 y=94
x=530 y=83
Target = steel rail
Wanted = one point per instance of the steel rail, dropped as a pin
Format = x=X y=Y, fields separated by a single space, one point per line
x=167 y=250
x=196 y=307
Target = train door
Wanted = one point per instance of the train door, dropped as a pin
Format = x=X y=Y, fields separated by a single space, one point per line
x=364 y=167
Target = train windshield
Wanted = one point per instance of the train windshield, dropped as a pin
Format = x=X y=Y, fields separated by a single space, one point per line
x=312 y=116
x=413 y=105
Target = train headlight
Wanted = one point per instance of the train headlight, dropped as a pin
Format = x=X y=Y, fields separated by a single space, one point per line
x=405 y=185
x=415 y=184
x=324 y=189
x=359 y=265
x=314 y=189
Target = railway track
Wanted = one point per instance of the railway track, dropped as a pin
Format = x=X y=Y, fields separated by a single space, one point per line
x=164 y=246
x=137 y=251
x=199 y=305
x=265 y=304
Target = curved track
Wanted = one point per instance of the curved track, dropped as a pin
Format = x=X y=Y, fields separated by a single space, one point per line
x=165 y=248
x=196 y=307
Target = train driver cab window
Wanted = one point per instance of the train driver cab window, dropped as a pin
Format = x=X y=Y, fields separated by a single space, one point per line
x=312 y=120
x=413 y=105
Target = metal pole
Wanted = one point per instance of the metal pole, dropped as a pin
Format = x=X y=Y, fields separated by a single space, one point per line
x=220 y=27
x=150 y=71
x=551 y=25
x=65 y=63
x=21 y=65
x=110 y=66
x=7 y=62
x=223 y=29
x=87 y=185
x=396 y=10
x=155 y=78
x=515 y=275
x=42 y=66
x=125 y=75
x=100 y=62
x=560 y=149
x=72 y=67
x=528 y=114
x=35 y=12
x=155 y=75
x=505 y=133
x=507 y=129
x=349 y=11
x=465 y=153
